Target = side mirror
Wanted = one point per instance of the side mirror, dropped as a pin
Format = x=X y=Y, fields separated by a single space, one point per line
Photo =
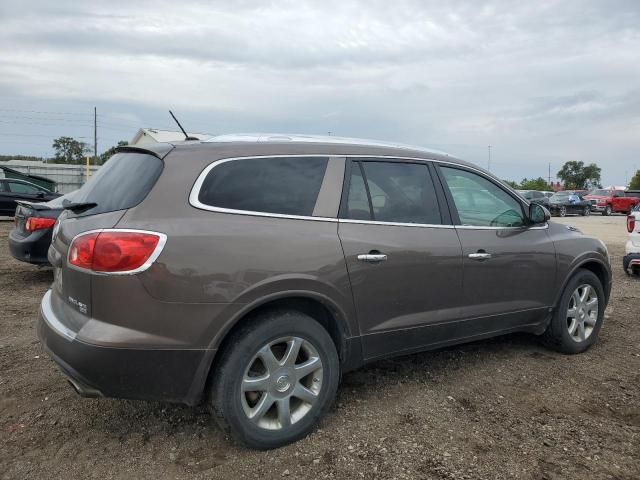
x=538 y=214
x=40 y=194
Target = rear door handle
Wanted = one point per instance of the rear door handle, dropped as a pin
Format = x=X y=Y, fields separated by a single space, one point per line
x=480 y=256
x=372 y=257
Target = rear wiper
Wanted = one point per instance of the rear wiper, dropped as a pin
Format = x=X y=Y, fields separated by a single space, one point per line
x=79 y=207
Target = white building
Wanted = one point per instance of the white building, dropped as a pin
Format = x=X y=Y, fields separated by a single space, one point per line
x=153 y=135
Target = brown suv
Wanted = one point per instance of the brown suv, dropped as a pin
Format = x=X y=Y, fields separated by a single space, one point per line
x=254 y=271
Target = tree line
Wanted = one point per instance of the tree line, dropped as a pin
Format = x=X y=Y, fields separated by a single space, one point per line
x=73 y=152
x=574 y=175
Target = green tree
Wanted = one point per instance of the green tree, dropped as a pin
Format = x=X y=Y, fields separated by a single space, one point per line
x=534 y=184
x=108 y=154
x=69 y=150
x=577 y=175
x=634 y=184
x=512 y=184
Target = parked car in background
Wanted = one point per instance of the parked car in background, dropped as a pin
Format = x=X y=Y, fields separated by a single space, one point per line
x=566 y=202
x=535 y=196
x=611 y=201
x=12 y=190
x=252 y=271
x=631 y=260
x=632 y=193
x=548 y=194
x=30 y=238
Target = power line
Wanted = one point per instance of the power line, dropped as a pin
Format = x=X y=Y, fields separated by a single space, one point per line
x=41 y=112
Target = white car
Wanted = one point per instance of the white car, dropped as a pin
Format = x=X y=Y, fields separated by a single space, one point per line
x=631 y=261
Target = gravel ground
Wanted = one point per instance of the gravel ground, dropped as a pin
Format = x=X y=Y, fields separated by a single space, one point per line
x=505 y=408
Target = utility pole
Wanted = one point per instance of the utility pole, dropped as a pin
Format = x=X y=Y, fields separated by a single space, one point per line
x=95 y=136
x=489 y=160
x=549 y=181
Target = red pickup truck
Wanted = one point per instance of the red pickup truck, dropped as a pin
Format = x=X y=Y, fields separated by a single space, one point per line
x=611 y=201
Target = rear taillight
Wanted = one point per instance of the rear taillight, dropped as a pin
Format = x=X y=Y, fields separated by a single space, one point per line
x=115 y=251
x=36 y=223
x=631 y=223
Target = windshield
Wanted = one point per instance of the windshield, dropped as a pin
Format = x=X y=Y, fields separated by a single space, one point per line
x=561 y=196
x=601 y=193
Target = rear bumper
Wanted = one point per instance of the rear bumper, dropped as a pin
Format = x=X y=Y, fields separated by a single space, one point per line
x=136 y=373
x=31 y=249
x=631 y=262
x=598 y=208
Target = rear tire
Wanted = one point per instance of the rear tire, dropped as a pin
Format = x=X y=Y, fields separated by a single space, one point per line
x=576 y=321
x=243 y=385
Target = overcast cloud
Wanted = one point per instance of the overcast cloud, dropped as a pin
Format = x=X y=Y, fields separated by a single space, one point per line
x=542 y=82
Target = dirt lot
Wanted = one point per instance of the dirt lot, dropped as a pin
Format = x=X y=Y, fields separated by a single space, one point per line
x=505 y=408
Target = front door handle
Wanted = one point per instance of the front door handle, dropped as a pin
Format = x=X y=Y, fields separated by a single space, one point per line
x=372 y=257
x=480 y=256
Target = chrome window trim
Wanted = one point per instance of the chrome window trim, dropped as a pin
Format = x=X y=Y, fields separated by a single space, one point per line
x=154 y=256
x=195 y=192
x=523 y=227
x=395 y=224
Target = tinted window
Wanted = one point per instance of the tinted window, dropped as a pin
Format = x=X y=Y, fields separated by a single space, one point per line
x=121 y=183
x=287 y=186
x=2 y=187
x=480 y=202
x=18 y=187
x=398 y=192
x=358 y=201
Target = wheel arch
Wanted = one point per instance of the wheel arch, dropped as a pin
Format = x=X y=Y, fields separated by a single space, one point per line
x=598 y=267
x=329 y=315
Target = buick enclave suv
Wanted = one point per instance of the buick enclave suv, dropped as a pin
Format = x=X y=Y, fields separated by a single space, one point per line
x=251 y=272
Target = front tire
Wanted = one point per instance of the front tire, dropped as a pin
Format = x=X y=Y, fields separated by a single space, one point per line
x=276 y=378
x=586 y=211
x=563 y=211
x=607 y=211
x=578 y=317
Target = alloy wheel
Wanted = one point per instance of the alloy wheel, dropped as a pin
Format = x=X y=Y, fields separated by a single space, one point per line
x=563 y=211
x=281 y=383
x=582 y=313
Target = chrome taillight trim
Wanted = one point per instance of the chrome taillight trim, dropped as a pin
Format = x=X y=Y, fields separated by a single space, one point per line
x=152 y=258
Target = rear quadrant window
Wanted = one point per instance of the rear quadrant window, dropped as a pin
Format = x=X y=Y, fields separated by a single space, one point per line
x=279 y=185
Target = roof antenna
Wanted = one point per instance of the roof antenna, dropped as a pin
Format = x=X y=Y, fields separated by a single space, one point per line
x=186 y=136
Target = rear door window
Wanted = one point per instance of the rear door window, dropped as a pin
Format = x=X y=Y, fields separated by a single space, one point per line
x=394 y=192
x=121 y=183
x=278 y=185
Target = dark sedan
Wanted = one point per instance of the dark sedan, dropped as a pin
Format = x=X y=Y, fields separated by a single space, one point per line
x=13 y=190
x=30 y=238
x=534 y=196
x=564 y=203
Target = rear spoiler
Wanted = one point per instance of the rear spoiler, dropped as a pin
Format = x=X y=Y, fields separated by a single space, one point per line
x=33 y=205
x=159 y=150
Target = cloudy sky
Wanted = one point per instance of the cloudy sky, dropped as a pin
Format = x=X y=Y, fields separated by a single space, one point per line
x=541 y=82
